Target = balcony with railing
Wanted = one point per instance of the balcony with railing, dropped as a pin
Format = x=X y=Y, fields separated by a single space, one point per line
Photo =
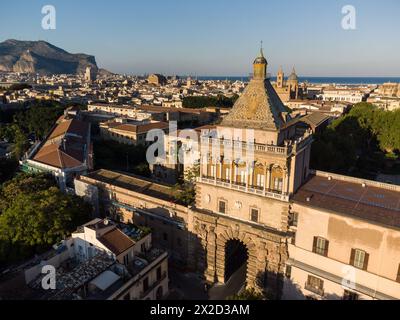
x=290 y=146
x=252 y=189
x=240 y=145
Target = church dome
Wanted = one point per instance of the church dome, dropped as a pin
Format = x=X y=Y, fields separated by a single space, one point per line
x=293 y=76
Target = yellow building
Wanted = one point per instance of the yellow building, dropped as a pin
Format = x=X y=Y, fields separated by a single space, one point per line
x=129 y=133
x=157 y=79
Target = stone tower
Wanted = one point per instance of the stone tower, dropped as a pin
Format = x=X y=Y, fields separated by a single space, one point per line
x=248 y=173
x=280 y=78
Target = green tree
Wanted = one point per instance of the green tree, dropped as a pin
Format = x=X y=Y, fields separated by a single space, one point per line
x=35 y=214
x=247 y=294
x=204 y=102
x=185 y=192
x=13 y=134
x=38 y=120
x=356 y=141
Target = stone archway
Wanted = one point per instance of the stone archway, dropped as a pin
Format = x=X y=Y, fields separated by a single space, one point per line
x=236 y=256
x=267 y=251
x=222 y=242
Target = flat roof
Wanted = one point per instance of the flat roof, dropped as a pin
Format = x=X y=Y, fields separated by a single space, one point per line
x=105 y=280
x=372 y=203
x=133 y=183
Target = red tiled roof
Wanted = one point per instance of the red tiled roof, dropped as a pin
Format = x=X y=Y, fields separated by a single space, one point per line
x=65 y=146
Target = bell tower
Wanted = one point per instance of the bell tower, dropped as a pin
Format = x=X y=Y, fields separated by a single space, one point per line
x=279 y=78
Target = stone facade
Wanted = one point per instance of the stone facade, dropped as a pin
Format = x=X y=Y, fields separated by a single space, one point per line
x=267 y=250
x=245 y=200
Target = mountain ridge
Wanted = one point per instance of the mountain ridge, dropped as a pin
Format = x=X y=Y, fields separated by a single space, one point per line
x=43 y=58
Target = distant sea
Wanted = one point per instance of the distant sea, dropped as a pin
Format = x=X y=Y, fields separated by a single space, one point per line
x=336 y=80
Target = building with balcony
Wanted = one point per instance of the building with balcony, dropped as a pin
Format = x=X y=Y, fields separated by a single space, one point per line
x=104 y=260
x=259 y=208
x=346 y=240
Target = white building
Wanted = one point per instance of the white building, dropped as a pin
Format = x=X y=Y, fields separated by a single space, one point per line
x=343 y=95
x=105 y=260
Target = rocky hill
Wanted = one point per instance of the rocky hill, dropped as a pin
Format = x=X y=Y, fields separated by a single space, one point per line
x=43 y=58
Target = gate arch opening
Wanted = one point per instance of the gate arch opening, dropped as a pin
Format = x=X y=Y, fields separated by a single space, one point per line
x=236 y=259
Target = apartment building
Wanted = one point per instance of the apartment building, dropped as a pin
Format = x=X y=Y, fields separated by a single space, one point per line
x=104 y=260
x=346 y=240
x=144 y=202
x=130 y=132
x=343 y=95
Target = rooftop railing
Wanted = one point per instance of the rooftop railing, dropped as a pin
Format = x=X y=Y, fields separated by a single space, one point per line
x=258 y=147
x=273 y=194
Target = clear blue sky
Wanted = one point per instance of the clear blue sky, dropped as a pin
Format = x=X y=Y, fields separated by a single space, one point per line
x=217 y=37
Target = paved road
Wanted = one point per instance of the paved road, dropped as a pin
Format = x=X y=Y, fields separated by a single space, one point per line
x=233 y=286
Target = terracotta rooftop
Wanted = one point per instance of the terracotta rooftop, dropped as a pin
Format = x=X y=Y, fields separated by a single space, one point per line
x=66 y=145
x=368 y=202
x=116 y=241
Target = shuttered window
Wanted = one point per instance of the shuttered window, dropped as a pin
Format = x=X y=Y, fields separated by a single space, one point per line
x=320 y=246
x=359 y=259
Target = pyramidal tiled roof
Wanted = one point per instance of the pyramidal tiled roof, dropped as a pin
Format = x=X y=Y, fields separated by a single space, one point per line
x=259 y=107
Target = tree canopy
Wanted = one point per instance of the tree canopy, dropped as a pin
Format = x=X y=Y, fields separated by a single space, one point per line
x=247 y=294
x=38 y=119
x=358 y=141
x=204 y=102
x=35 y=214
x=113 y=155
x=185 y=192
